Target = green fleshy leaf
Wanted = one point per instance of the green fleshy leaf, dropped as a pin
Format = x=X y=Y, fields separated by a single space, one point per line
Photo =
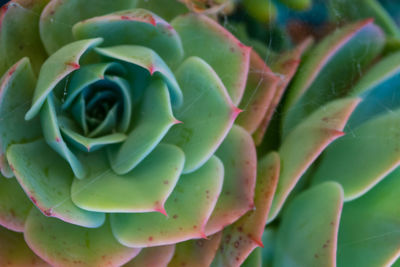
x=369 y=232
x=286 y=65
x=196 y=253
x=126 y=102
x=239 y=157
x=155 y=120
x=260 y=89
x=14 y=205
x=78 y=112
x=147 y=59
x=15 y=252
x=52 y=135
x=19 y=35
x=144 y=189
x=133 y=27
x=207 y=113
x=86 y=76
x=174 y=9
x=298 y=5
x=59 y=16
x=229 y=58
x=378 y=90
x=16 y=90
x=330 y=69
x=154 y=256
x=264 y=11
x=189 y=208
x=308 y=233
x=65 y=245
x=109 y=124
x=345 y=161
x=356 y=10
x=306 y=142
x=47 y=180
x=91 y=144
x=242 y=237
x=57 y=67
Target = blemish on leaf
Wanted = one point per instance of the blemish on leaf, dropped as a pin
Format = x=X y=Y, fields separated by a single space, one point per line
x=150 y=238
x=47 y=212
x=33 y=200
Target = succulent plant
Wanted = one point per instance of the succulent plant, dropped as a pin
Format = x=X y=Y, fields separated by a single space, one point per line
x=343 y=211
x=120 y=143
x=134 y=134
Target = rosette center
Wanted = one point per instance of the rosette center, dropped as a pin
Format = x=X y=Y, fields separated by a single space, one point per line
x=97 y=106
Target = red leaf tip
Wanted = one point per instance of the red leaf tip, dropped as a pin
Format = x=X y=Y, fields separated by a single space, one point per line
x=236 y=111
x=161 y=210
x=74 y=65
x=258 y=242
x=177 y=121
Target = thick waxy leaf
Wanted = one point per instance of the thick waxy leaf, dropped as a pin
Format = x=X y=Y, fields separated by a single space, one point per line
x=260 y=89
x=52 y=135
x=196 y=253
x=229 y=58
x=56 y=20
x=147 y=59
x=134 y=27
x=345 y=161
x=19 y=35
x=66 y=245
x=14 y=251
x=14 y=205
x=153 y=257
x=286 y=65
x=86 y=76
x=47 y=180
x=239 y=157
x=108 y=125
x=126 y=102
x=331 y=69
x=56 y=67
x=16 y=90
x=242 y=237
x=144 y=189
x=91 y=144
x=306 y=142
x=189 y=208
x=308 y=233
x=356 y=10
x=378 y=89
x=207 y=113
x=155 y=120
x=78 y=112
x=174 y=9
x=369 y=232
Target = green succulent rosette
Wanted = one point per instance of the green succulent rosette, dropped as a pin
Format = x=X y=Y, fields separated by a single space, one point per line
x=339 y=209
x=120 y=142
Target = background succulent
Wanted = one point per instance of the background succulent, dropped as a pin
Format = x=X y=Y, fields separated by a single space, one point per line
x=99 y=169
